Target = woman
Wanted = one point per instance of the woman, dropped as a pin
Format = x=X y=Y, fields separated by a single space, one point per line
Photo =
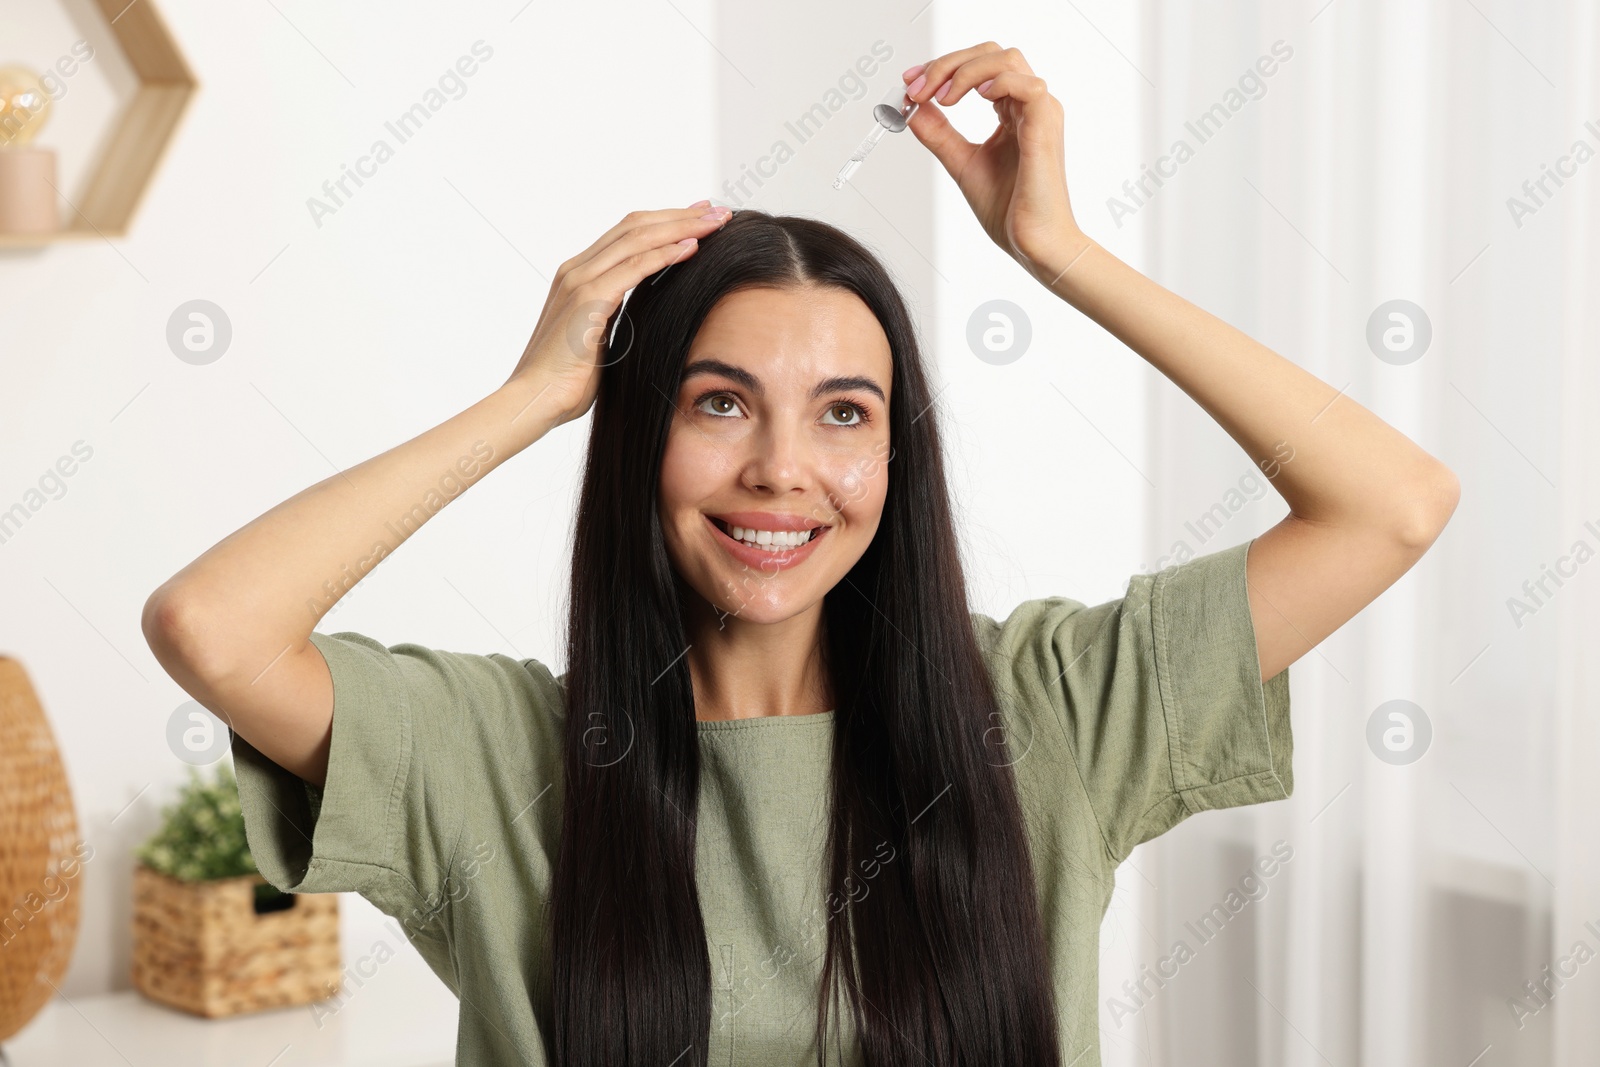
x=790 y=801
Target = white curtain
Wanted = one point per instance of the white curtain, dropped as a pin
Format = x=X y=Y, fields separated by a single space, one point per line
x=1445 y=910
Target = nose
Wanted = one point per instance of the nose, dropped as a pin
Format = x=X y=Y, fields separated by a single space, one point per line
x=780 y=458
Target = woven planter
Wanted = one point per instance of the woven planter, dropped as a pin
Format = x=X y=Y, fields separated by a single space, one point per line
x=205 y=948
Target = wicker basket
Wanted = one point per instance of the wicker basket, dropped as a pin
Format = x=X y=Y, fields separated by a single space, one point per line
x=41 y=856
x=203 y=947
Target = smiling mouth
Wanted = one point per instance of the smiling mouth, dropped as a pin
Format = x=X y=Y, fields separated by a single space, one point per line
x=778 y=542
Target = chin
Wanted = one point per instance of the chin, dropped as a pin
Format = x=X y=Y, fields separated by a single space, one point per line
x=759 y=603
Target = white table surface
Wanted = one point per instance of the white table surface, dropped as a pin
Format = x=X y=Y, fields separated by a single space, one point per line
x=400 y=1016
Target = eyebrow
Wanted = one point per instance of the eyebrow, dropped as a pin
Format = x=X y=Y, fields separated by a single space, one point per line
x=752 y=383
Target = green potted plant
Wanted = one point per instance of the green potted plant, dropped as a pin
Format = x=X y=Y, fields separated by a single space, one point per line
x=211 y=936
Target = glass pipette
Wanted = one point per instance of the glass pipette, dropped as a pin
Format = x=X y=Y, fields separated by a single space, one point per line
x=890 y=116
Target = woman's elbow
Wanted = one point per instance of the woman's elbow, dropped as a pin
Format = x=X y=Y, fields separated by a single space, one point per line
x=1428 y=508
x=174 y=629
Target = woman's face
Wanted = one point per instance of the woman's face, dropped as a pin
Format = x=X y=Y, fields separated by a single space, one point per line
x=781 y=433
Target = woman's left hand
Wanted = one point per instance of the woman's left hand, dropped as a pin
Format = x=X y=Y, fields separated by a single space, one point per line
x=1016 y=181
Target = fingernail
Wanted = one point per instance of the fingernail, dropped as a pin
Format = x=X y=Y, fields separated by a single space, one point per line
x=912 y=72
x=716 y=213
x=701 y=203
x=945 y=88
x=985 y=86
x=916 y=87
x=687 y=241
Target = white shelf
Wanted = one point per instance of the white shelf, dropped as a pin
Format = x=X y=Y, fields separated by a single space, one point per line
x=400 y=1016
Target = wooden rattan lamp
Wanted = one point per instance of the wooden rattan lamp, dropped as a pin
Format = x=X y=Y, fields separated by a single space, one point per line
x=40 y=855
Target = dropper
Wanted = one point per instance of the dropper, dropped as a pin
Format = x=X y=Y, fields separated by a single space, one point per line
x=890 y=116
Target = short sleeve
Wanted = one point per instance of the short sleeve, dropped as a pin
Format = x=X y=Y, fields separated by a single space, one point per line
x=419 y=735
x=1158 y=694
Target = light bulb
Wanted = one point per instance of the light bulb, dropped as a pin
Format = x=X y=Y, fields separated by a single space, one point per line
x=24 y=106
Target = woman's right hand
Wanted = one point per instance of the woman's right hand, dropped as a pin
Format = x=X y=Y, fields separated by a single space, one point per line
x=563 y=356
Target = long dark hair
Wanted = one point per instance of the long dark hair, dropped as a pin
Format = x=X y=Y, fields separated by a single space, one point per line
x=948 y=964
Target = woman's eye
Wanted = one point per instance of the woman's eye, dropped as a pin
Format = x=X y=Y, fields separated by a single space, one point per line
x=848 y=410
x=724 y=405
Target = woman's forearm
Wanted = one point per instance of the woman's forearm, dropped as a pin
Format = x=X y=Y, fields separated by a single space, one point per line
x=259 y=592
x=1348 y=466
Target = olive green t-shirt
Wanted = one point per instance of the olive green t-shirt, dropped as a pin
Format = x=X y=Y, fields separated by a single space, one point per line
x=442 y=804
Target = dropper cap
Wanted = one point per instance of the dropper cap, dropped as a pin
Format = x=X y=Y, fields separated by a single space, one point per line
x=895 y=110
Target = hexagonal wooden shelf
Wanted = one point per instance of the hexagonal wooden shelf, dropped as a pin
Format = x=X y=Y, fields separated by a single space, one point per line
x=140 y=134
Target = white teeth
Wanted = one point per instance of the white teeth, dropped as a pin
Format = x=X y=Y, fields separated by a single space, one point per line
x=770 y=540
